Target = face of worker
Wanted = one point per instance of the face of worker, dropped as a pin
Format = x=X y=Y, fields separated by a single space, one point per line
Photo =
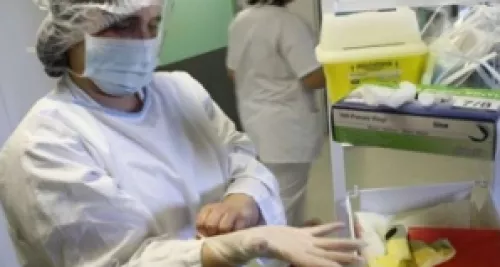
x=143 y=24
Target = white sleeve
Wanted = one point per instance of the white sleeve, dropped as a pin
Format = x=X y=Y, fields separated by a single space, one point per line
x=297 y=44
x=74 y=214
x=234 y=44
x=248 y=176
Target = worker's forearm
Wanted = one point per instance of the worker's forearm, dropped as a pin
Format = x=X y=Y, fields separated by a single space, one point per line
x=230 y=74
x=210 y=260
x=314 y=80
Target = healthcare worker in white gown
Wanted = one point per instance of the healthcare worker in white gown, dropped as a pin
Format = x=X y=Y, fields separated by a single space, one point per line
x=121 y=167
x=271 y=59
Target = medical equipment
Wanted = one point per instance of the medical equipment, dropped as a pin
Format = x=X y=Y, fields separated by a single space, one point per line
x=394 y=181
x=468 y=47
x=461 y=76
x=412 y=128
x=386 y=49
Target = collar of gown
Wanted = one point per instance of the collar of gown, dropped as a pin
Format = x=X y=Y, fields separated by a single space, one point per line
x=81 y=98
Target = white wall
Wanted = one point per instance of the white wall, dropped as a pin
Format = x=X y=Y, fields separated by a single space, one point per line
x=8 y=257
x=5 y=123
x=22 y=80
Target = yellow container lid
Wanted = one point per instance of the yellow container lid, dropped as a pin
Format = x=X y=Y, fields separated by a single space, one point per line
x=370 y=35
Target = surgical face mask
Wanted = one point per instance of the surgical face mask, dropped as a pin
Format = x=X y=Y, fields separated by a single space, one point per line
x=120 y=67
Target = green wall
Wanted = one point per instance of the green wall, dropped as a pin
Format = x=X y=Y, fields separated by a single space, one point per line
x=194 y=27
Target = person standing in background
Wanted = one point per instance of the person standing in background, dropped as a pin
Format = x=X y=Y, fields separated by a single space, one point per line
x=271 y=60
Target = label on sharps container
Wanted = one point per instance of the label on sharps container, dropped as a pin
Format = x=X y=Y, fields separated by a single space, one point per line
x=425 y=134
x=378 y=72
x=466 y=92
x=463 y=98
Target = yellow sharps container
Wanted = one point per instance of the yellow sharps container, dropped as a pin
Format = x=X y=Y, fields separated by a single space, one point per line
x=380 y=47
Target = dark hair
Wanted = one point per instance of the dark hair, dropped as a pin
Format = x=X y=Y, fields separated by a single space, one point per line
x=270 y=2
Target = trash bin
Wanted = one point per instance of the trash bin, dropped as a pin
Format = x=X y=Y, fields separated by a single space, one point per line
x=381 y=47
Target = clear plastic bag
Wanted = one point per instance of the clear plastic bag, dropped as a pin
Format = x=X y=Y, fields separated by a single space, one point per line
x=465 y=50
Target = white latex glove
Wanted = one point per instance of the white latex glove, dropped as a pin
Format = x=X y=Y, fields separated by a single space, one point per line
x=375 y=95
x=406 y=93
x=301 y=247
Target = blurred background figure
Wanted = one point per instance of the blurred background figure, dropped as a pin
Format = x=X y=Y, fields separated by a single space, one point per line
x=272 y=62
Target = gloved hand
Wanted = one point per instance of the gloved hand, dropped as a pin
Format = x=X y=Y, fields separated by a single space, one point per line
x=236 y=212
x=301 y=247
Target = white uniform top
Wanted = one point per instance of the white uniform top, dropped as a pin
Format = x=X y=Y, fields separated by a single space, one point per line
x=269 y=50
x=87 y=186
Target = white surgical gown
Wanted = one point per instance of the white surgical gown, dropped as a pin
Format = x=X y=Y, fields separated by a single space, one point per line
x=87 y=186
x=270 y=50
